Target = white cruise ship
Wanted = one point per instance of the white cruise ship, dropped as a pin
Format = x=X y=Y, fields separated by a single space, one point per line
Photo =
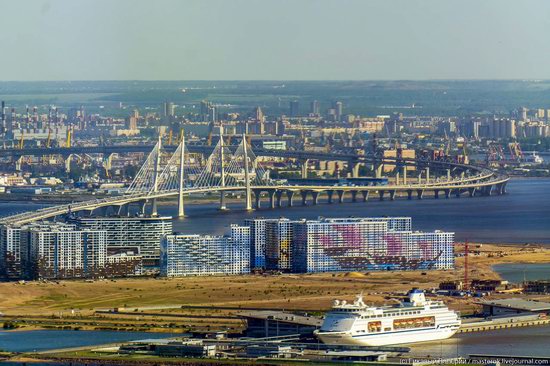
x=413 y=320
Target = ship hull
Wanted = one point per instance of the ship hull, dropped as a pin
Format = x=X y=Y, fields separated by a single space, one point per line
x=385 y=339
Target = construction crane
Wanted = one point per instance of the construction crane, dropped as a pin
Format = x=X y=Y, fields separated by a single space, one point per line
x=170 y=138
x=210 y=131
x=49 y=140
x=515 y=151
x=22 y=140
x=466 y=285
x=69 y=137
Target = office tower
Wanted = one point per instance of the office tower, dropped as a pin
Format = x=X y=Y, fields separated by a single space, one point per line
x=134 y=232
x=315 y=108
x=195 y=255
x=338 y=110
x=294 y=108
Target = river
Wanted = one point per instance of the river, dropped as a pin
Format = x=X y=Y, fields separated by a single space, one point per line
x=522 y=216
x=42 y=340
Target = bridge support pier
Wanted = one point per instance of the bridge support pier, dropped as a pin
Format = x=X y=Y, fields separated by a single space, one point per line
x=304 y=172
x=419 y=193
x=123 y=210
x=257 y=198
x=365 y=196
x=409 y=194
x=154 y=208
x=290 y=196
x=353 y=167
x=223 y=207
x=436 y=194
x=19 y=164
x=279 y=196
x=472 y=191
x=304 y=198
x=501 y=188
x=392 y=195
x=377 y=167
x=315 y=197
x=340 y=196
x=447 y=193
x=353 y=196
x=67 y=163
x=271 y=194
x=381 y=194
x=330 y=192
x=457 y=193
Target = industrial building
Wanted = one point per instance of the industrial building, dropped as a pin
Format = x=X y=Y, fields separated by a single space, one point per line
x=514 y=306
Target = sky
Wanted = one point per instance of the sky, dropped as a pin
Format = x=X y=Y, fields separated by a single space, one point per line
x=274 y=39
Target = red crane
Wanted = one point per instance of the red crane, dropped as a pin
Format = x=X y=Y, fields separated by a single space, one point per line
x=466 y=284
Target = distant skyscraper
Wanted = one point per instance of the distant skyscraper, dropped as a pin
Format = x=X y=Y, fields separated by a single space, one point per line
x=315 y=107
x=259 y=114
x=338 y=110
x=294 y=108
x=168 y=110
x=524 y=113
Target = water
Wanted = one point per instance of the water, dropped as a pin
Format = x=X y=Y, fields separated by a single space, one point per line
x=522 y=216
x=518 y=272
x=528 y=341
x=42 y=340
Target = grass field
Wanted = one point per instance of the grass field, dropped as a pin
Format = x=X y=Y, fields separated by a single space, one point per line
x=315 y=292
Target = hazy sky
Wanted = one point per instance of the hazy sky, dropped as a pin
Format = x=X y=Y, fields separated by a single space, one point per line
x=274 y=39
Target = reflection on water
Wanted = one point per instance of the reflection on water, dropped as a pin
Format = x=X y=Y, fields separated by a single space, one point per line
x=527 y=341
x=519 y=272
x=40 y=340
x=522 y=216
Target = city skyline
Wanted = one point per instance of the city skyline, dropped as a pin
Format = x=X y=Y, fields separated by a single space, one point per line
x=275 y=40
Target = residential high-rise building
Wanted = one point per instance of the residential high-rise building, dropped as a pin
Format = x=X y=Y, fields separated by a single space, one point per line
x=278 y=244
x=11 y=256
x=294 y=108
x=168 y=110
x=59 y=250
x=144 y=233
x=315 y=108
x=257 y=241
x=195 y=255
x=338 y=110
x=368 y=244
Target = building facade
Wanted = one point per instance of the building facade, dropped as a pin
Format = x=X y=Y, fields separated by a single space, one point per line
x=327 y=245
x=144 y=233
x=58 y=250
x=200 y=255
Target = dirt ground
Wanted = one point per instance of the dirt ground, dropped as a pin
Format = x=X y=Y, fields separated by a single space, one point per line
x=287 y=291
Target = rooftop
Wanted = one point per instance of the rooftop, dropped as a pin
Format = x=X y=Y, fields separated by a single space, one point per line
x=518 y=304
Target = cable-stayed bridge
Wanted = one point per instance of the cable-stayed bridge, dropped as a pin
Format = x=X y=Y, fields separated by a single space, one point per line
x=179 y=174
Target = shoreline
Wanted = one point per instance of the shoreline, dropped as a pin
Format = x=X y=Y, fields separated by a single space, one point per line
x=206 y=303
